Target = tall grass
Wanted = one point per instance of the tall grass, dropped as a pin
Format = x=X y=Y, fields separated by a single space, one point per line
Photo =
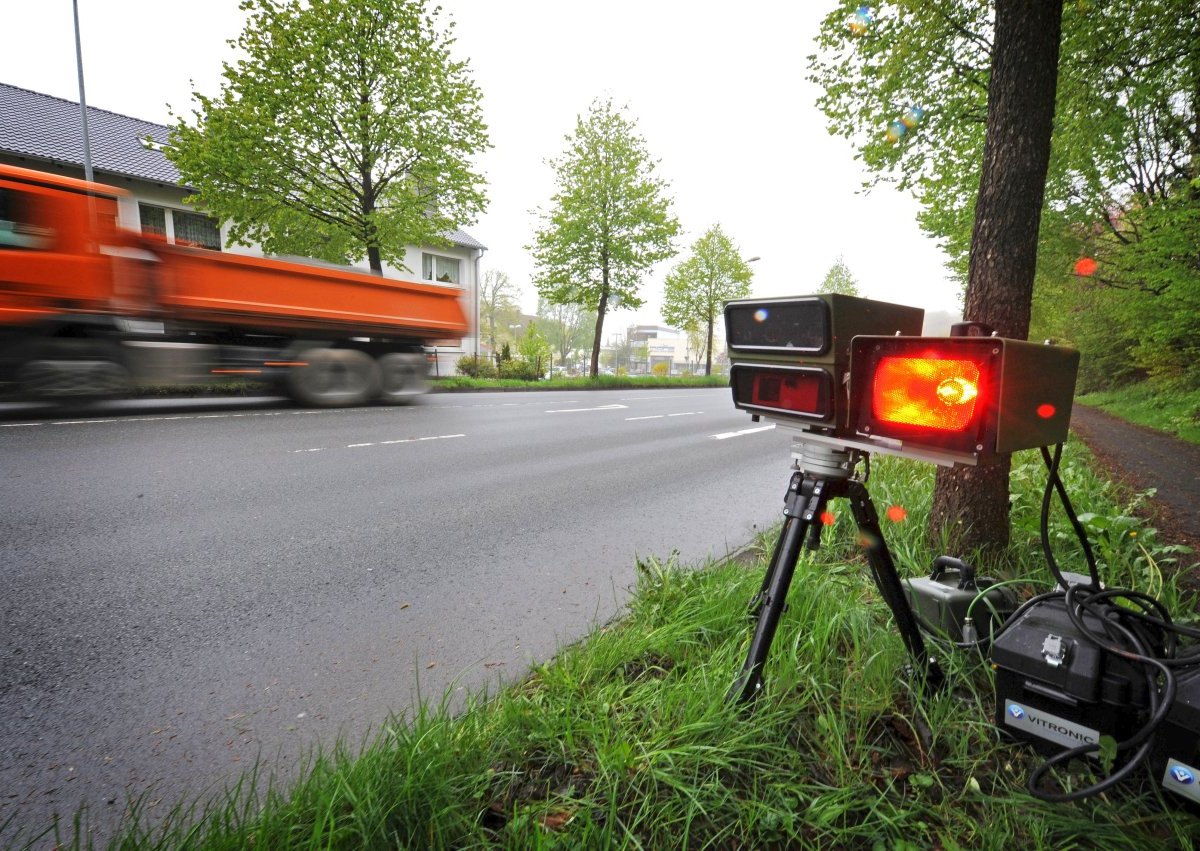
x=625 y=740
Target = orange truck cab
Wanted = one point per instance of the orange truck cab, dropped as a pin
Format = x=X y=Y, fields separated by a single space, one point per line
x=91 y=308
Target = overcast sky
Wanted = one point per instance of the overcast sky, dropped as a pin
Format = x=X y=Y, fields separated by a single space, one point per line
x=718 y=90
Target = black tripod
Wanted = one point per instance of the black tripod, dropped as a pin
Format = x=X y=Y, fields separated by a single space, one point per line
x=824 y=472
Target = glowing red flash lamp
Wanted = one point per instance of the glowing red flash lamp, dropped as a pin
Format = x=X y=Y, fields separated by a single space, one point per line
x=962 y=396
x=930 y=392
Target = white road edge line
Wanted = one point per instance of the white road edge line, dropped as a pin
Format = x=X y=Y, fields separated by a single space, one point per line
x=744 y=431
x=651 y=417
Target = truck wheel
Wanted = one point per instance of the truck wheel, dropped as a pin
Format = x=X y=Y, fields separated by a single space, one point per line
x=334 y=378
x=80 y=380
x=402 y=378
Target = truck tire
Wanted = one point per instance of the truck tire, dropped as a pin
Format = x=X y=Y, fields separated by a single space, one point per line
x=78 y=380
x=402 y=378
x=334 y=378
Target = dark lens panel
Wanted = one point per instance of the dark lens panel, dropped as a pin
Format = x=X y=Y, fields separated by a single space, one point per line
x=799 y=326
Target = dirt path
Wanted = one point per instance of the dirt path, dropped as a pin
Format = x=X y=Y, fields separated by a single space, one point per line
x=1143 y=458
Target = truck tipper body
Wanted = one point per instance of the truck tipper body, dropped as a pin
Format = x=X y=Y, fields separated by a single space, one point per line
x=90 y=308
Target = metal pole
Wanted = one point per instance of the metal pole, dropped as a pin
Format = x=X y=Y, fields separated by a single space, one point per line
x=87 y=145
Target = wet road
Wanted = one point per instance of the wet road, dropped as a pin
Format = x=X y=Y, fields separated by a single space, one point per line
x=186 y=588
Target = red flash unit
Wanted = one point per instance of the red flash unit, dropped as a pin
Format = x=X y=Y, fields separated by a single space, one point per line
x=978 y=396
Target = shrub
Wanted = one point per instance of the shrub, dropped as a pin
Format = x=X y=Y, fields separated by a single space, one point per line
x=520 y=369
x=661 y=369
x=476 y=366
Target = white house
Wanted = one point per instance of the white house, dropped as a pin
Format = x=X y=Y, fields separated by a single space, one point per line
x=43 y=132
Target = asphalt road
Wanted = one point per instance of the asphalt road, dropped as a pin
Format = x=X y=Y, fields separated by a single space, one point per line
x=188 y=588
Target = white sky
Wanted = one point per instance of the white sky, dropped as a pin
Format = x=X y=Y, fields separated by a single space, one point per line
x=718 y=90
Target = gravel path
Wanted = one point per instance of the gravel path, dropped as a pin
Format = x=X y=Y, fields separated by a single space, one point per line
x=1143 y=458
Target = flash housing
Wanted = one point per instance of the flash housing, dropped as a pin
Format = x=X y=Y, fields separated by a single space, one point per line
x=978 y=396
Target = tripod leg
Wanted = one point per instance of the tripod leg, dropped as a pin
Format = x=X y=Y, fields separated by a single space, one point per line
x=805 y=500
x=888 y=581
x=756 y=602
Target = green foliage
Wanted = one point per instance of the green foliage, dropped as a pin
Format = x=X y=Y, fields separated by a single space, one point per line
x=533 y=347
x=520 y=370
x=839 y=280
x=609 y=220
x=344 y=130
x=476 y=366
x=696 y=289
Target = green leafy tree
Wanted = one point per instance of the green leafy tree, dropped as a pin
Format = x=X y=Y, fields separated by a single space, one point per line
x=498 y=306
x=609 y=221
x=346 y=130
x=696 y=289
x=839 y=280
x=567 y=327
x=533 y=348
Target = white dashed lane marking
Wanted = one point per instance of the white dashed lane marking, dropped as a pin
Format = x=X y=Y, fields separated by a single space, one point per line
x=388 y=442
x=664 y=416
x=728 y=434
x=581 y=410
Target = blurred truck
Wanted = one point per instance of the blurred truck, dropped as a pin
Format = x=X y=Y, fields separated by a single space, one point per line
x=92 y=308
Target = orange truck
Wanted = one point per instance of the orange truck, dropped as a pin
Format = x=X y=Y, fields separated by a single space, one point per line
x=90 y=308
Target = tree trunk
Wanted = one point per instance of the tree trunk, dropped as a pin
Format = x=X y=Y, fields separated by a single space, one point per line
x=971 y=504
x=708 y=351
x=598 y=337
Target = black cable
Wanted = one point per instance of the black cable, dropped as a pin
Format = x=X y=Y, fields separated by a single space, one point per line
x=1133 y=632
x=1054 y=483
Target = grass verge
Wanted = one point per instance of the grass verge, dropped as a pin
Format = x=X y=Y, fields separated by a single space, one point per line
x=625 y=739
x=1176 y=412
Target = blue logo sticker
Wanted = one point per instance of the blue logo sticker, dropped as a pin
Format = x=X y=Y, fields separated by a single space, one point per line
x=1182 y=775
x=1016 y=711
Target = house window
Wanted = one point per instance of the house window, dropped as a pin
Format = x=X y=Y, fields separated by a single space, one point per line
x=196 y=229
x=444 y=270
x=154 y=219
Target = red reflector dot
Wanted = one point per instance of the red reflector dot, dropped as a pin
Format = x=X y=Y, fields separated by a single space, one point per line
x=827 y=518
x=1085 y=266
x=896 y=513
x=1046 y=411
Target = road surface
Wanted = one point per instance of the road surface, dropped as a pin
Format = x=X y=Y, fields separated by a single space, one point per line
x=187 y=588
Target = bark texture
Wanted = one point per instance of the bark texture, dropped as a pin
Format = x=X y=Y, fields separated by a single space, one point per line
x=970 y=505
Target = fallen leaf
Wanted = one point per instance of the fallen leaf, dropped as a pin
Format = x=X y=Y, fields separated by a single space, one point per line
x=558 y=820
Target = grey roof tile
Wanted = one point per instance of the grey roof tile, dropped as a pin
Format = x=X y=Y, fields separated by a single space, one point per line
x=38 y=125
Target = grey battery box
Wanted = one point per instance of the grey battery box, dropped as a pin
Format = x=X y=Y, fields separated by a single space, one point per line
x=941 y=600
